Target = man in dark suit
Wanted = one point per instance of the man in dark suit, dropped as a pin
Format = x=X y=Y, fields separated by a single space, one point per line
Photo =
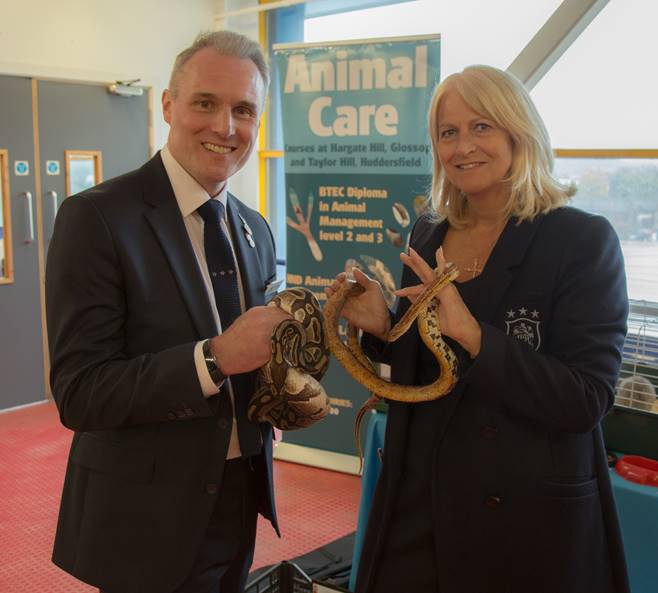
x=155 y=287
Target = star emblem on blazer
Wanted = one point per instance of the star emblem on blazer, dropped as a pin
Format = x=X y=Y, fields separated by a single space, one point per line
x=524 y=325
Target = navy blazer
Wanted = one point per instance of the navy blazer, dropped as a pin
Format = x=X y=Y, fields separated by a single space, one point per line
x=126 y=305
x=519 y=479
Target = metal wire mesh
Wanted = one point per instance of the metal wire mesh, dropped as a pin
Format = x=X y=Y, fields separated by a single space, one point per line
x=638 y=380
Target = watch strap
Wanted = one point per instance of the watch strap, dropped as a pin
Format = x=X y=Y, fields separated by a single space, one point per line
x=216 y=375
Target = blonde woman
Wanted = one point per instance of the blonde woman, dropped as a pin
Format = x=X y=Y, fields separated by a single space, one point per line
x=502 y=485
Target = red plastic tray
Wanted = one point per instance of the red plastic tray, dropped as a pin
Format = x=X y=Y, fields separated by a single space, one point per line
x=638 y=469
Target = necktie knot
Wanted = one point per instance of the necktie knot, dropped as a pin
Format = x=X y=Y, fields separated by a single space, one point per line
x=212 y=211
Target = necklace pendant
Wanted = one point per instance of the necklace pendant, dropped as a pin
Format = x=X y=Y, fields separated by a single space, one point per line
x=474 y=270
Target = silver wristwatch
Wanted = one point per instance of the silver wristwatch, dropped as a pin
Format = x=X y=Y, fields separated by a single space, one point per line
x=216 y=375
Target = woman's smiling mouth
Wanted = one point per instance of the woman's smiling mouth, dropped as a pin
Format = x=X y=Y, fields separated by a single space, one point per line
x=469 y=166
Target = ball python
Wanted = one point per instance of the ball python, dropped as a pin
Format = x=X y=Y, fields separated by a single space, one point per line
x=425 y=310
x=288 y=393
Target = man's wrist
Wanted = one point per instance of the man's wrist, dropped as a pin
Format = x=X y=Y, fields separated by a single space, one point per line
x=216 y=374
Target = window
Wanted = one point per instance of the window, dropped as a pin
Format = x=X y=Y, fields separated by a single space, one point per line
x=625 y=191
x=84 y=169
x=606 y=132
x=599 y=94
x=468 y=33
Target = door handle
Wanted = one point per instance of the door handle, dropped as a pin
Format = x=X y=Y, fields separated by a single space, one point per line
x=29 y=217
x=54 y=205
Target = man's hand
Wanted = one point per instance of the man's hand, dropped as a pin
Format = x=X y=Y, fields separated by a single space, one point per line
x=246 y=344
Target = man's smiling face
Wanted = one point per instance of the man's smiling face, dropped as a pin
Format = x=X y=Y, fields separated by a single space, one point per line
x=214 y=114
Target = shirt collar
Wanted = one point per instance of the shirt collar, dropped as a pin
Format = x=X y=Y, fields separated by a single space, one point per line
x=189 y=194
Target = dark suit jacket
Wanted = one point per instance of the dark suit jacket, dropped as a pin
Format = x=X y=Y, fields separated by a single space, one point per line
x=521 y=495
x=125 y=306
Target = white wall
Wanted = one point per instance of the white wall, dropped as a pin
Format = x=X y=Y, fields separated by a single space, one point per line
x=245 y=184
x=107 y=40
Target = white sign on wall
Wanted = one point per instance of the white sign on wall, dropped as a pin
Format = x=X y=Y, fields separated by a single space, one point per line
x=21 y=168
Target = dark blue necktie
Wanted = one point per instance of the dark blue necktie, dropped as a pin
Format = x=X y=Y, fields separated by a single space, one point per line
x=221 y=265
x=224 y=278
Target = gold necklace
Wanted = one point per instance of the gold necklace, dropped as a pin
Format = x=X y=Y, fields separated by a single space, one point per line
x=477 y=267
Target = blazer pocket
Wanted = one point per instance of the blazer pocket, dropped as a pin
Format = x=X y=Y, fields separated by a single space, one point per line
x=113 y=459
x=569 y=489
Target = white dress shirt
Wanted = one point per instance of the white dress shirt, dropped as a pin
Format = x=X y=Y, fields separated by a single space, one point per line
x=190 y=195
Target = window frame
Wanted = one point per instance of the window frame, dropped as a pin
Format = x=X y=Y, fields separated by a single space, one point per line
x=83 y=155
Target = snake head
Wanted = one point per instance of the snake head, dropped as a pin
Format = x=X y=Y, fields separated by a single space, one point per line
x=423 y=301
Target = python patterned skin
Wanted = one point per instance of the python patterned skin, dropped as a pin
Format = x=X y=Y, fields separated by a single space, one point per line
x=288 y=393
x=351 y=357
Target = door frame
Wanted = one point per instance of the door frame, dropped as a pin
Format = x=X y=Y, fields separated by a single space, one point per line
x=8 y=277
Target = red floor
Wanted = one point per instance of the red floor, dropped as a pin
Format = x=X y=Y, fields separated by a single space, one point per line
x=33 y=450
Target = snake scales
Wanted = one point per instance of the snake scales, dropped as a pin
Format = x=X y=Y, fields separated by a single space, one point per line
x=350 y=355
x=288 y=393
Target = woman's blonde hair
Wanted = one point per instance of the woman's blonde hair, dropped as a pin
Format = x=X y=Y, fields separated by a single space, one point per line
x=502 y=98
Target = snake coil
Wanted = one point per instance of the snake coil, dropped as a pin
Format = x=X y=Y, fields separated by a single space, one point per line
x=288 y=392
x=351 y=357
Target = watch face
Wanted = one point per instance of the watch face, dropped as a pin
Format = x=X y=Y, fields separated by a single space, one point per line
x=211 y=364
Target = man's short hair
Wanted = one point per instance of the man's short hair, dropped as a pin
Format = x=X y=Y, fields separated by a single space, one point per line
x=225 y=43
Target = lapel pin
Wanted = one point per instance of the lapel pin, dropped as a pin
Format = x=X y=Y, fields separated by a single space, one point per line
x=248 y=233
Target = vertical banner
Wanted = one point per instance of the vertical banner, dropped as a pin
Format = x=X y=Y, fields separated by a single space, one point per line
x=357 y=170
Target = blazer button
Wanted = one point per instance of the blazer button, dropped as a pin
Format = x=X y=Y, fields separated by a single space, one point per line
x=489 y=432
x=493 y=502
x=211 y=488
x=222 y=423
x=171 y=415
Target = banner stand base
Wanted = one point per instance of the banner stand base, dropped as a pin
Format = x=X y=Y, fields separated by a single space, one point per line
x=338 y=462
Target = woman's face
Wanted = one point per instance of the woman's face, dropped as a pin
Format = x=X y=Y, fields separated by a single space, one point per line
x=475 y=153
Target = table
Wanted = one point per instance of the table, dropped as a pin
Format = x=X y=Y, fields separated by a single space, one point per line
x=372 y=465
x=637 y=506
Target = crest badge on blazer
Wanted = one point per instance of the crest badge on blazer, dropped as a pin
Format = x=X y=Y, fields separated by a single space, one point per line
x=524 y=325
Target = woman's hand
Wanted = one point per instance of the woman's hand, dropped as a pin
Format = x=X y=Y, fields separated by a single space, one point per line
x=455 y=319
x=367 y=311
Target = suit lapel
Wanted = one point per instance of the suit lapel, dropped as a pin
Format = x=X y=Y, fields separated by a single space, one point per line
x=246 y=254
x=409 y=343
x=164 y=217
x=506 y=257
x=406 y=351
